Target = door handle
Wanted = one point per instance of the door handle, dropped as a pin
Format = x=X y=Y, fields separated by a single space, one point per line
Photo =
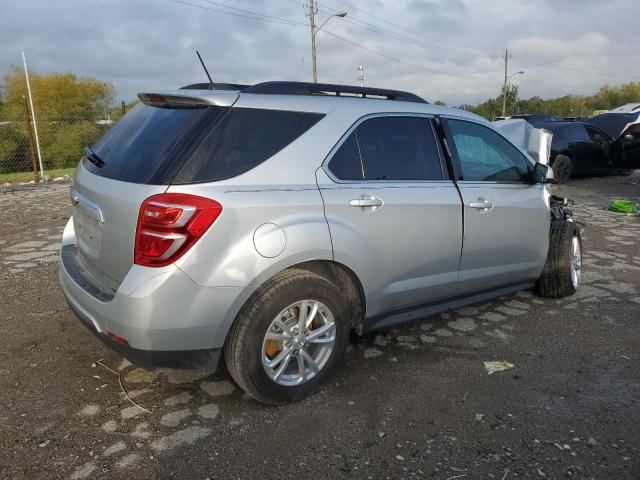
x=482 y=204
x=367 y=201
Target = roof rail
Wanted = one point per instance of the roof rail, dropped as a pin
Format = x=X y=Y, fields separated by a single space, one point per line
x=214 y=86
x=304 y=88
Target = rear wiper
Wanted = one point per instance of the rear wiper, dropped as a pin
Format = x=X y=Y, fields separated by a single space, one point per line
x=92 y=157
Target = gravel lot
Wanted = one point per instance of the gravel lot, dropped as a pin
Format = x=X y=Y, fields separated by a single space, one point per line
x=412 y=402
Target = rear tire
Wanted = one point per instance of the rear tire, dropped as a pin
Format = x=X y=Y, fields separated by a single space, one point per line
x=562 y=169
x=271 y=313
x=561 y=274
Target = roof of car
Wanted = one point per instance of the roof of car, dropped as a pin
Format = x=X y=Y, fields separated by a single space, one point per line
x=563 y=122
x=627 y=108
x=306 y=88
x=320 y=98
x=531 y=115
x=558 y=124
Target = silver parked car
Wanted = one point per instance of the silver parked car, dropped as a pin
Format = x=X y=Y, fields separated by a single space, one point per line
x=265 y=223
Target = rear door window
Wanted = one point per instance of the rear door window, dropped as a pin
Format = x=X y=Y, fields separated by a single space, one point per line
x=596 y=135
x=392 y=148
x=577 y=132
x=346 y=164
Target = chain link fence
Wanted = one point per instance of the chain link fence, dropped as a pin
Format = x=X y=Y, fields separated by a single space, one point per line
x=61 y=134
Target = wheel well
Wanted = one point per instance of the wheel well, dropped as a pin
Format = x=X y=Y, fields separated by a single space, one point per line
x=564 y=153
x=347 y=281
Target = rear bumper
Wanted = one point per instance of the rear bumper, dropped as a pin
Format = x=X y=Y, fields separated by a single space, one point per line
x=204 y=359
x=167 y=320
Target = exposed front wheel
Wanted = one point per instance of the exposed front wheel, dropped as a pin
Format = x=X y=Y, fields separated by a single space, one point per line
x=562 y=169
x=562 y=271
x=288 y=337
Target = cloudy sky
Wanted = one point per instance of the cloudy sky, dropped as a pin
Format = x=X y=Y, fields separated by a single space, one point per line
x=441 y=49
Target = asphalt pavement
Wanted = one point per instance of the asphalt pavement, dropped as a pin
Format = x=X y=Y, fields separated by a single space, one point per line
x=410 y=402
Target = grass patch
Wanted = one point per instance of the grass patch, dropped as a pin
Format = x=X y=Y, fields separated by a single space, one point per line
x=20 y=177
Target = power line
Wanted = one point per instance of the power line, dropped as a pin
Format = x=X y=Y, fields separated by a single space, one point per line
x=400 y=27
x=371 y=50
x=546 y=61
x=388 y=57
x=565 y=66
x=251 y=12
x=390 y=33
x=253 y=16
x=257 y=16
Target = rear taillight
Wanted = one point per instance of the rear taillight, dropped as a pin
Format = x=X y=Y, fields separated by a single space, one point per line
x=633 y=129
x=169 y=224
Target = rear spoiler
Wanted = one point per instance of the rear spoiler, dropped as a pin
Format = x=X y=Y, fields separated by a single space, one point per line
x=186 y=99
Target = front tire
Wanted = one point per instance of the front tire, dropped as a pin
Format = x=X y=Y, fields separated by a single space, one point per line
x=562 y=169
x=288 y=337
x=563 y=268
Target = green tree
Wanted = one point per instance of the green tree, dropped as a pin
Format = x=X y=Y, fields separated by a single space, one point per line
x=67 y=112
x=62 y=93
x=606 y=98
x=511 y=92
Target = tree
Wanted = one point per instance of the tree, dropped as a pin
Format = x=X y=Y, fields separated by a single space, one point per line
x=63 y=93
x=67 y=109
x=511 y=92
x=606 y=98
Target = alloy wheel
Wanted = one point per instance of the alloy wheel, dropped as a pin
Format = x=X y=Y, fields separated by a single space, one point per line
x=576 y=262
x=298 y=342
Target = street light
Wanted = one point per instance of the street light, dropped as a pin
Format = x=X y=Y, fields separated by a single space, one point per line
x=504 y=90
x=521 y=72
x=314 y=32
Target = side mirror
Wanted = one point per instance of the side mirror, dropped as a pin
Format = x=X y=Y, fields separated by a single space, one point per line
x=542 y=173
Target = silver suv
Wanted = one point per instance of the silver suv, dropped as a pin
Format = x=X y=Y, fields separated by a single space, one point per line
x=266 y=223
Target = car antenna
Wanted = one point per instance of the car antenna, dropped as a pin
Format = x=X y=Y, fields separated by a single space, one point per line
x=205 y=70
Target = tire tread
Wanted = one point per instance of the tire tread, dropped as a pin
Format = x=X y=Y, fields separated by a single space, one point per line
x=240 y=331
x=555 y=280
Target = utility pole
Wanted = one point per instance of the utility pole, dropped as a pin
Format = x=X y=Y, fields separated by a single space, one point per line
x=27 y=127
x=314 y=31
x=33 y=115
x=504 y=86
x=312 y=20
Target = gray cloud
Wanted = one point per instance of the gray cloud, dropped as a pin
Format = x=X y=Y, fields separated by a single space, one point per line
x=564 y=47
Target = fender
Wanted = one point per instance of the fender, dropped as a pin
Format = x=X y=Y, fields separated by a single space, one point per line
x=271 y=230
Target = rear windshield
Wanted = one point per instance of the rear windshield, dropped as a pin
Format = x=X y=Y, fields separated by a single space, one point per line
x=613 y=123
x=186 y=145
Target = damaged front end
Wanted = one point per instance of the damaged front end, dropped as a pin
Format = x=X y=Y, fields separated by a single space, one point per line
x=560 y=211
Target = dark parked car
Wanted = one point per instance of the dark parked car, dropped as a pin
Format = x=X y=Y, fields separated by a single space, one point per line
x=579 y=148
x=622 y=124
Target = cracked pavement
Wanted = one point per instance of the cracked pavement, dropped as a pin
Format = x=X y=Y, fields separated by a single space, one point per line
x=410 y=402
